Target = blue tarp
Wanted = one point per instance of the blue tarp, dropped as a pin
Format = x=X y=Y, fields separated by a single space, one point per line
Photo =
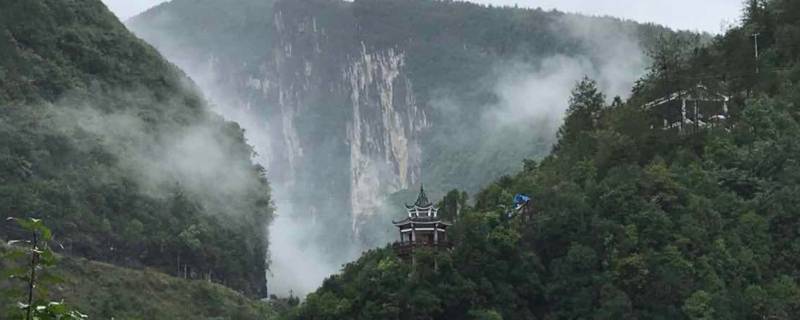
x=520 y=200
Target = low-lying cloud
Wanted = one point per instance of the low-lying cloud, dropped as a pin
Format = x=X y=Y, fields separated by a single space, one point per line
x=539 y=93
x=531 y=98
x=200 y=153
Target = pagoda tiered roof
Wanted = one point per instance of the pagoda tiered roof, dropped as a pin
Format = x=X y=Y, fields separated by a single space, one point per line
x=422 y=208
x=422 y=212
x=422 y=200
x=423 y=220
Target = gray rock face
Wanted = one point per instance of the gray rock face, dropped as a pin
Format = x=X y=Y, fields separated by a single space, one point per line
x=334 y=119
x=373 y=122
x=384 y=130
x=348 y=102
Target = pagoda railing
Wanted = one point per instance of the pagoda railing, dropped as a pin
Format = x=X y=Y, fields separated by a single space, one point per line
x=407 y=247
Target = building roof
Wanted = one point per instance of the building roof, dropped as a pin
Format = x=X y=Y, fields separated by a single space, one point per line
x=422 y=199
x=698 y=92
x=421 y=220
x=421 y=212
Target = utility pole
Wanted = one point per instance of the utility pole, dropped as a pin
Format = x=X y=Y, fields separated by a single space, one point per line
x=755 y=39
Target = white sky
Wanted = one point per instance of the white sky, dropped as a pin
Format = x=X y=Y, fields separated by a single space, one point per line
x=694 y=15
x=125 y=9
x=702 y=15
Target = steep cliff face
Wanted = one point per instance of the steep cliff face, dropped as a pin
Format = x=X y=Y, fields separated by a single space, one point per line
x=335 y=120
x=336 y=100
x=338 y=95
x=350 y=102
x=384 y=132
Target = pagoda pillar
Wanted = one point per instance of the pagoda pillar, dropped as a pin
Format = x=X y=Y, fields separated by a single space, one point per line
x=413 y=233
x=683 y=114
x=435 y=233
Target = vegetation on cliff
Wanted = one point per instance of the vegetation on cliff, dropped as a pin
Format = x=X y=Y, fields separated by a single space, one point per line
x=111 y=144
x=631 y=221
x=439 y=85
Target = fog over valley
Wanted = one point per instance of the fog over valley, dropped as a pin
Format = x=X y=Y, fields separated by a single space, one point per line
x=399 y=159
x=335 y=111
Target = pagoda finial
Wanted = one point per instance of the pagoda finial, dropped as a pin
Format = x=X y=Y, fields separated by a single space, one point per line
x=422 y=199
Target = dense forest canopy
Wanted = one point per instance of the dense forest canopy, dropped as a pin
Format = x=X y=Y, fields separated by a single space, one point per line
x=631 y=221
x=634 y=215
x=355 y=103
x=113 y=147
x=461 y=56
x=456 y=52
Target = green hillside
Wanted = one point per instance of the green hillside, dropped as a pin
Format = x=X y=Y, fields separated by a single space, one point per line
x=111 y=144
x=104 y=291
x=356 y=103
x=630 y=220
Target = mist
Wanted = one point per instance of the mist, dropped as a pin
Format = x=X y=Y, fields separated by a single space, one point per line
x=528 y=99
x=531 y=97
x=297 y=264
x=539 y=93
x=196 y=156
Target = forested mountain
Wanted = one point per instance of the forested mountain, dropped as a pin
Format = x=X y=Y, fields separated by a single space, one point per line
x=633 y=218
x=677 y=202
x=113 y=147
x=354 y=101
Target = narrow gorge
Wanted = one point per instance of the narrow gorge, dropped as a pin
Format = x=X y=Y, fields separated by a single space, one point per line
x=352 y=105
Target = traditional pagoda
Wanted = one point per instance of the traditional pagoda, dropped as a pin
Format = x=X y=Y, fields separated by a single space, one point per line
x=422 y=227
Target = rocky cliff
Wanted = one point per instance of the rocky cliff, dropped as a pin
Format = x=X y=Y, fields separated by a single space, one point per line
x=350 y=102
x=371 y=123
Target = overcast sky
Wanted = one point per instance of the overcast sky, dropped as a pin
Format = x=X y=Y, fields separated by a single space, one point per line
x=703 y=15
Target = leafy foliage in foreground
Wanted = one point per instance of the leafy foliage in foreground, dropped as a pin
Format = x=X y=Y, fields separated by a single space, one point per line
x=106 y=140
x=632 y=221
x=36 y=257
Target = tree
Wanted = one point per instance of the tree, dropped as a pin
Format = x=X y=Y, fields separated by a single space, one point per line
x=699 y=307
x=670 y=55
x=583 y=115
x=452 y=205
x=35 y=304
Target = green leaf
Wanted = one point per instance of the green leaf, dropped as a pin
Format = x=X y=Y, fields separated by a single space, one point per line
x=26 y=224
x=15 y=272
x=47 y=258
x=14 y=255
x=47 y=235
x=57 y=307
x=50 y=278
